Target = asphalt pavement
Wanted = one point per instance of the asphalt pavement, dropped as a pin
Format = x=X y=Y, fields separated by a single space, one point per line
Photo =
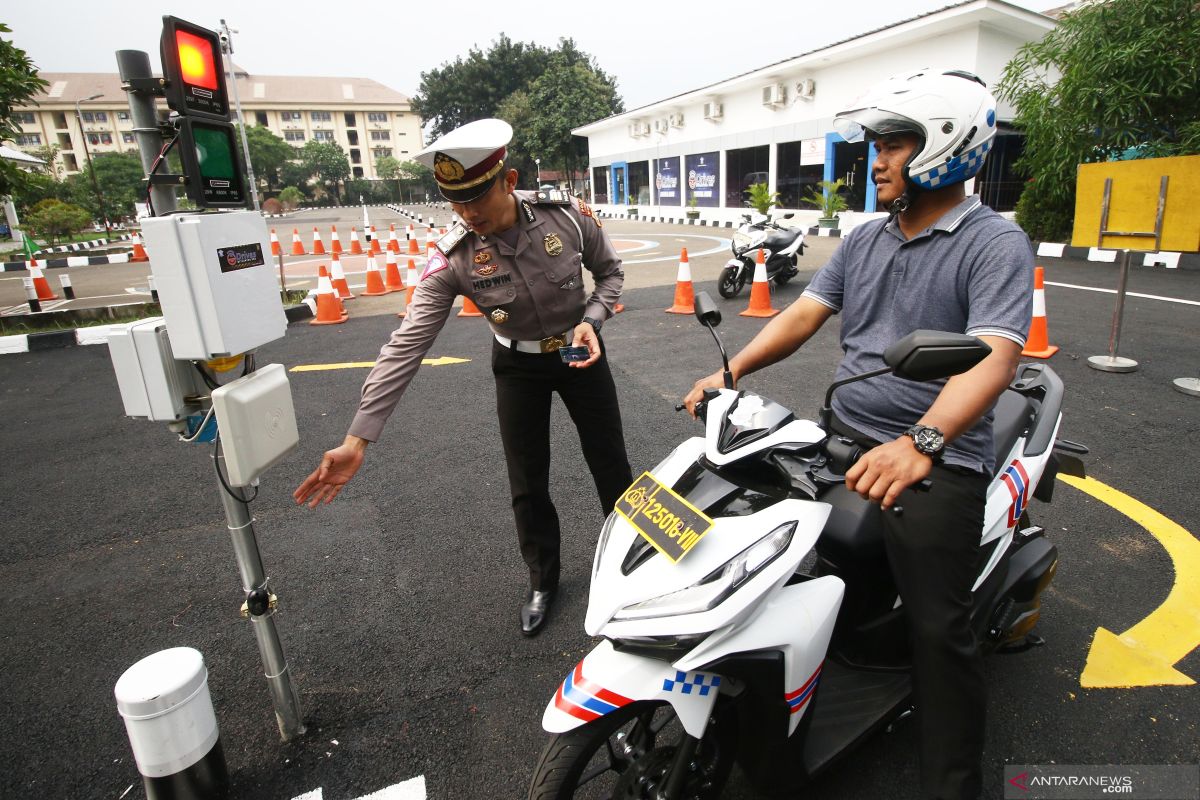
x=398 y=603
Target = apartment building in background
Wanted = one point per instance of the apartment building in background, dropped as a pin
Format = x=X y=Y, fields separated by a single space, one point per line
x=369 y=120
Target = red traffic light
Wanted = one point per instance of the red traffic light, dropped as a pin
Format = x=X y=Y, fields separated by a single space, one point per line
x=195 y=73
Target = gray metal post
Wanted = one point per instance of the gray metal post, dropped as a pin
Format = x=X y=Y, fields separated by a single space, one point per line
x=254 y=579
x=227 y=47
x=134 y=64
x=1112 y=362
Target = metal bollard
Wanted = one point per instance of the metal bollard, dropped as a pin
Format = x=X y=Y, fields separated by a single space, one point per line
x=68 y=289
x=172 y=727
x=31 y=295
x=1113 y=362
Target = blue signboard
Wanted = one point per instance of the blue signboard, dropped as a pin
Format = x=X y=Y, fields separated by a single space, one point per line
x=704 y=179
x=666 y=181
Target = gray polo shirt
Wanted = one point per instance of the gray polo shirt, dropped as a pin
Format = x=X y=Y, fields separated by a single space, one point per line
x=970 y=272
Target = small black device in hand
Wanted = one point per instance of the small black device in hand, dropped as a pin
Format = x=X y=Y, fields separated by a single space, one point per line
x=569 y=354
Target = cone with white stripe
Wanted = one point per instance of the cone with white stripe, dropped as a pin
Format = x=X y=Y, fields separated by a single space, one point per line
x=318 y=245
x=276 y=250
x=375 y=248
x=375 y=285
x=329 y=308
x=297 y=245
x=355 y=245
x=1037 y=344
x=760 y=292
x=392 y=274
x=469 y=309
x=340 y=284
x=685 y=295
x=40 y=284
x=335 y=243
x=409 y=232
x=393 y=245
x=139 y=252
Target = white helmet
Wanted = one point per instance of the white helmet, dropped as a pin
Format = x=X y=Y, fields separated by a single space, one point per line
x=952 y=111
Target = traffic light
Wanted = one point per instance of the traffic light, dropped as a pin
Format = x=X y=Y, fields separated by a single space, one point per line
x=195 y=89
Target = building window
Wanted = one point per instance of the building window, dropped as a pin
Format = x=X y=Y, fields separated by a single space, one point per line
x=801 y=165
x=382 y=152
x=381 y=136
x=358 y=172
x=94 y=116
x=639 y=182
x=290 y=116
x=355 y=157
x=60 y=120
x=352 y=137
x=127 y=137
x=99 y=138
x=260 y=118
x=743 y=169
x=377 y=116
x=703 y=179
x=323 y=136
x=70 y=162
x=29 y=140
x=123 y=116
x=293 y=136
x=24 y=117
x=64 y=141
x=600 y=185
x=320 y=116
x=350 y=119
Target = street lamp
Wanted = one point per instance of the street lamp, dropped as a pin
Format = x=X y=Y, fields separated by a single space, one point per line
x=538 y=161
x=88 y=154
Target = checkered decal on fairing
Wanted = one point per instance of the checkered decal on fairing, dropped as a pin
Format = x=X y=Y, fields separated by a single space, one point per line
x=956 y=170
x=701 y=684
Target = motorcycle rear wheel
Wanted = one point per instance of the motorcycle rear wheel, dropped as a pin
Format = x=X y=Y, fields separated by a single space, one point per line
x=627 y=754
x=730 y=283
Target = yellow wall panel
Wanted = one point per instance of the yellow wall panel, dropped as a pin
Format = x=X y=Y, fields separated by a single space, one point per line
x=1134 y=203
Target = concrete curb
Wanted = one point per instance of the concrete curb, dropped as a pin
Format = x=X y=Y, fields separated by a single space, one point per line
x=70 y=261
x=1165 y=259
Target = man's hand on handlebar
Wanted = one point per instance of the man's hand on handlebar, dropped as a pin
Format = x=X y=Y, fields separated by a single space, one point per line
x=714 y=381
x=882 y=473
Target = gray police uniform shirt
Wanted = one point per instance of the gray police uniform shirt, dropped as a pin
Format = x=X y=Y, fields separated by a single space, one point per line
x=970 y=272
x=529 y=292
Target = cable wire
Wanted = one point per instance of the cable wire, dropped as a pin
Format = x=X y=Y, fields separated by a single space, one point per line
x=216 y=457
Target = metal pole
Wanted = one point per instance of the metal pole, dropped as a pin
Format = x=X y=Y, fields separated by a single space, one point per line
x=131 y=65
x=91 y=170
x=1112 y=362
x=255 y=582
x=227 y=47
x=282 y=282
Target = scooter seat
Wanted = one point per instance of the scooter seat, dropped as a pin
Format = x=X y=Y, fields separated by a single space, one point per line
x=854 y=530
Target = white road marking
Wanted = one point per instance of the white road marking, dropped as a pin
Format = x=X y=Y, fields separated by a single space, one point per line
x=1130 y=294
x=721 y=245
x=412 y=789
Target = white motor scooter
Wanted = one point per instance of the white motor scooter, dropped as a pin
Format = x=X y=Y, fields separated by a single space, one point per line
x=781 y=248
x=746 y=605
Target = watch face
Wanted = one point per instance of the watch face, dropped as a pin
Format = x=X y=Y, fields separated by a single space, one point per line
x=928 y=440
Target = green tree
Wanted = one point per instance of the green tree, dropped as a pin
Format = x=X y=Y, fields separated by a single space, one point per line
x=48 y=154
x=291 y=198
x=297 y=174
x=388 y=168
x=268 y=154
x=19 y=83
x=55 y=220
x=1129 y=85
x=328 y=163
x=120 y=178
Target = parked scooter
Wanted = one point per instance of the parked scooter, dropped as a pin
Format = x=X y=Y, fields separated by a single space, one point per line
x=745 y=602
x=781 y=250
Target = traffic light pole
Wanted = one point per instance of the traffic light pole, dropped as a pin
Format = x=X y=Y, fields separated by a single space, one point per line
x=134 y=69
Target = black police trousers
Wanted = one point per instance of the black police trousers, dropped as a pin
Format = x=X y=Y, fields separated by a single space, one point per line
x=525 y=384
x=934 y=554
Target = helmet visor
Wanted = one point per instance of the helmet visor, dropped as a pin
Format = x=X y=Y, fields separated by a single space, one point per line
x=871 y=123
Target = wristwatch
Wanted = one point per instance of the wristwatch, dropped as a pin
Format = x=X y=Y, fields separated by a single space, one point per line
x=595 y=323
x=928 y=440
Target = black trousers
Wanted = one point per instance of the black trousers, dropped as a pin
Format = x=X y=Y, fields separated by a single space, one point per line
x=934 y=555
x=525 y=384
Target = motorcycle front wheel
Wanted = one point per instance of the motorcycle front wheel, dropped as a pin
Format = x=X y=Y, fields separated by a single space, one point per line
x=627 y=755
x=731 y=282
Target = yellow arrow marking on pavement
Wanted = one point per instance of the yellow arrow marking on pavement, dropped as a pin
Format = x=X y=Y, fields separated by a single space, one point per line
x=441 y=361
x=1146 y=654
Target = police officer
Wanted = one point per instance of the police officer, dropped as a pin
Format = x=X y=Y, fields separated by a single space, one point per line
x=520 y=257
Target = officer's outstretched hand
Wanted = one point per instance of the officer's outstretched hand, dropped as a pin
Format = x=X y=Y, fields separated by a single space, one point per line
x=884 y=472
x=338 y=466
x=585 y=336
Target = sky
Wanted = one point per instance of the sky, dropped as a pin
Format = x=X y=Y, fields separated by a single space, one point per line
x=655 y=50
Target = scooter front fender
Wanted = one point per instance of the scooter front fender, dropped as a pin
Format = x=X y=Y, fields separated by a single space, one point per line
x=606 y=680
x=734 y=262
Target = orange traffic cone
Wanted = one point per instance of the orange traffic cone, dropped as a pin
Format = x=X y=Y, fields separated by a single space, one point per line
x=329 y=308
x=685 y=296
x=1037 y=345
x=375 y=248
x=340 y=285
x=760 y=292
x=355 y=246
x=393 y=242
x=618 y=308
x=414 y=249
x=412 y=285
x=335 y=244
x=375 y=285
x=318 y=245
x=469 y=308
x=139 y=252
x=276 y=250
x=44 y=292
x=394 y=283
x=297 y=245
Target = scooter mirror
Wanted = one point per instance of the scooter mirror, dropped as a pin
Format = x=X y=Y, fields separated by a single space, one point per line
x=788 y=215
x=707 y=311
x=928 y=355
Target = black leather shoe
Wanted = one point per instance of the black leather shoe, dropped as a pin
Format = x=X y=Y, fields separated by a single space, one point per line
x=535 y=611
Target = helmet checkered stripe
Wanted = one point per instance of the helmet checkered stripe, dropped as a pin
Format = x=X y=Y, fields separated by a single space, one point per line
x=956 y=170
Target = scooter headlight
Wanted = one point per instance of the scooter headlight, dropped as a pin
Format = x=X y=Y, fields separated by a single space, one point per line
x=741 y=241
x=714 y=588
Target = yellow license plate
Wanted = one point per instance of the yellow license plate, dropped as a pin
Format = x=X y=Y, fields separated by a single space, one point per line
x=662 y=517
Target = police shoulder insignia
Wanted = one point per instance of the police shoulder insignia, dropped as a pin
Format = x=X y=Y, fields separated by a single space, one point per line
x=437 y=263
x=555 y=196
x=452 y=237
x=527 y=210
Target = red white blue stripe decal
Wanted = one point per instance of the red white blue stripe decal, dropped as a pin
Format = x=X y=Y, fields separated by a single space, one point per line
x=584 y=699
x=798 y=699
x=1017 y=480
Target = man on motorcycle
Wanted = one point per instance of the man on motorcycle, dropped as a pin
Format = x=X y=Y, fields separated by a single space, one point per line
x=940 y=261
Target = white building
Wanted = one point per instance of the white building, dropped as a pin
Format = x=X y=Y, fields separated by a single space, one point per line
x=775 y=124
